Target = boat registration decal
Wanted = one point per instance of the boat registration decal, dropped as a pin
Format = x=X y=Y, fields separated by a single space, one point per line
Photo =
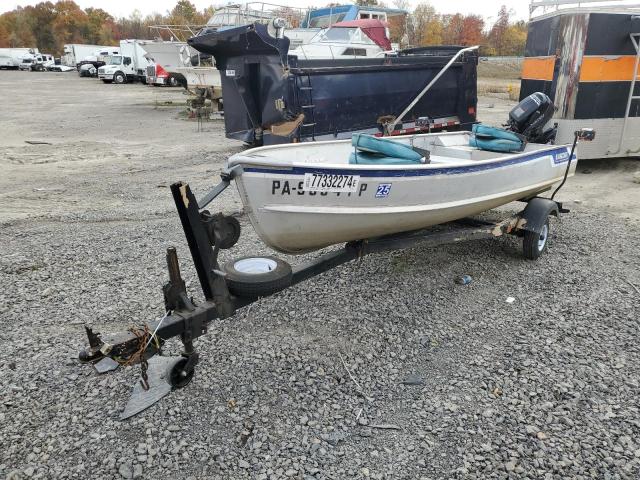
x=383 y=190
x=284 y=187
x=560 y=157
x=327 y=182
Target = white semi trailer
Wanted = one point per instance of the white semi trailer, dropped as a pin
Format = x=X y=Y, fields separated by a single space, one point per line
x=12 y=57
x=74 y=53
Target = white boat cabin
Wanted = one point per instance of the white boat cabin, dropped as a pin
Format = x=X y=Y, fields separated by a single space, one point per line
x=354 y=39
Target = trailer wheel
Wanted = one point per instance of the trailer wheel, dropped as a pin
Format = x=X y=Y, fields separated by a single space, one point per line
x=257 y=276
x=119 y=78
x=178 y=377
x=173 y=81
x=534 y=244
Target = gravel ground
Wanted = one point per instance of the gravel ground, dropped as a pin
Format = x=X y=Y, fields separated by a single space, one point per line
x=384 y=368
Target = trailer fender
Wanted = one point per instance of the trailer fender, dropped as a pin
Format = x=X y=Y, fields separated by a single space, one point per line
x=536 y=213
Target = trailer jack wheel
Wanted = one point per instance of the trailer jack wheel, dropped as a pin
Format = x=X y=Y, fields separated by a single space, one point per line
x=535 y=243
x=179 y=377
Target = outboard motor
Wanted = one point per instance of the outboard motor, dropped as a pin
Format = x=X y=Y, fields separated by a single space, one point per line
x=530 y=116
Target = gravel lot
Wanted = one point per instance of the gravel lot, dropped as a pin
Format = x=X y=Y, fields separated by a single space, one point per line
x=299 y=385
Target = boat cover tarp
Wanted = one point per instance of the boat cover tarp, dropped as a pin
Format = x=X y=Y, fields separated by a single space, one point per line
x=374 y=29
x=495 y=139
x=380 y=151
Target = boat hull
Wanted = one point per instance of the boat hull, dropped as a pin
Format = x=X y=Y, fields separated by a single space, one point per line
x=292 y=220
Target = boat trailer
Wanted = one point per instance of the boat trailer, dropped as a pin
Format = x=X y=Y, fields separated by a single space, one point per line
x=207 y=234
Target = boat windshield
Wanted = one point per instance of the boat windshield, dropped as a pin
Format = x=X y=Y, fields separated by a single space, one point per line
x=26 y=60
x=343 y=35
x=114 y=60
x=326 y=20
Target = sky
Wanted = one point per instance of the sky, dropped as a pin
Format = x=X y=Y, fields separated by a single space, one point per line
x=119 y=8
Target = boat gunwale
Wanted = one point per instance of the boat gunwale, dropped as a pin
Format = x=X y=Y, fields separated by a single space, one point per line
x=272 y=165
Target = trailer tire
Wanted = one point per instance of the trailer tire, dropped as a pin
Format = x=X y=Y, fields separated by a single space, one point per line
x=173 y=81
x=178 y=378
x=534 y=244
x=119 y=78
x=257 y=276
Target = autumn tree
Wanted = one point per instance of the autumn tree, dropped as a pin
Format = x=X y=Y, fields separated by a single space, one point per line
x=425 y=26
x=462 y=29
x=22 y=31
x=472 y=28
x=497 y=34
x=43 y=15
x=99 y=28
x=4 y=34
x=70 y=23
x=184 y=13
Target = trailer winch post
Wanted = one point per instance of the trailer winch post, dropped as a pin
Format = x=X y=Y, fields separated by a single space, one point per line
x=205 y=258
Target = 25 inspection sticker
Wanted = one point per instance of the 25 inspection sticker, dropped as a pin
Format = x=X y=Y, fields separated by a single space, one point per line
x=383 y=190
x=328 y=182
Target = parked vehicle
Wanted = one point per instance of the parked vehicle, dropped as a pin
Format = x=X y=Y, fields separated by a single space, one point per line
x=60 y=68
x=39 y=62
x=10 y=58
x=89 y=65
x=43 y=62
x=166 y=56
x=74 y=53
x=26 y=62
x=158 y=76
x=130 y=66
x=272 y=97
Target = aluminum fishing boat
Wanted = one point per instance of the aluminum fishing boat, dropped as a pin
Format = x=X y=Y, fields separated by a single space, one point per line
x=302 y=197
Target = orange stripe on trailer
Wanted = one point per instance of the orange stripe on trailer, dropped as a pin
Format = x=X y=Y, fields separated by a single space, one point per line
x=538 y=68
x=607 y=69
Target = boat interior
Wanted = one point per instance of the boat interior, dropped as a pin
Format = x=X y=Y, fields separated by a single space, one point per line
x=417 y=151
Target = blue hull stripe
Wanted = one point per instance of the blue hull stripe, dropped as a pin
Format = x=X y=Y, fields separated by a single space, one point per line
x=414 y=172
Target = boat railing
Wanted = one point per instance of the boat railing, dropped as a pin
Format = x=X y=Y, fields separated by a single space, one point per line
x=542 y=7
x=261 y=12
x=179 y=33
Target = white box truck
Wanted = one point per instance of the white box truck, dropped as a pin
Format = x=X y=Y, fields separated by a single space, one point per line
x=74 y=53
x=130 y=66
x=12 y=57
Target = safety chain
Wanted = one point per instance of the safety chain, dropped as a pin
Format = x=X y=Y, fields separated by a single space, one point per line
x=144 y=379
x=142 y=335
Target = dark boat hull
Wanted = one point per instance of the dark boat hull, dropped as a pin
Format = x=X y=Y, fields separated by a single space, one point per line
x=270 y=97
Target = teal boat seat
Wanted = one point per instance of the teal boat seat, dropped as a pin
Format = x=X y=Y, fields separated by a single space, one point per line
x=371 y=150
x=495 y=139
x=364 y=158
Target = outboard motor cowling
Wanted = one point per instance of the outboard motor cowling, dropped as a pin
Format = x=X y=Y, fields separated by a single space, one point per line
x=530 y=116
